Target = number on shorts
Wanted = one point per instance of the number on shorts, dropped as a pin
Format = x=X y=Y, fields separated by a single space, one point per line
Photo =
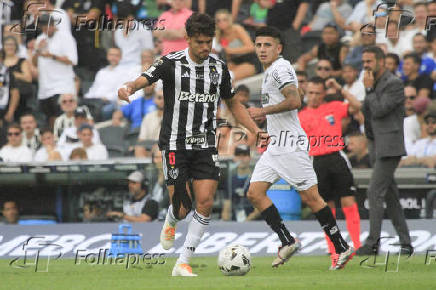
x=172 y=158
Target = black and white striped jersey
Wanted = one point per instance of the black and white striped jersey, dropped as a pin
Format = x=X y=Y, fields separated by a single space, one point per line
x=191 y=95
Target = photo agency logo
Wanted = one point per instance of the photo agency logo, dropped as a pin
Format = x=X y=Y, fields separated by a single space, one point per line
x=32 y=257
x=389 y=17
x=38 y=254
x=394 y=257
x=34 y=9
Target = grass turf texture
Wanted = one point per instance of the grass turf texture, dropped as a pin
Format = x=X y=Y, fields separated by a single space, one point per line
x=301 y=272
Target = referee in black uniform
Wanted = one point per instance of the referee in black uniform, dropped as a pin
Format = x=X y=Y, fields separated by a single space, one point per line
x=193 y=83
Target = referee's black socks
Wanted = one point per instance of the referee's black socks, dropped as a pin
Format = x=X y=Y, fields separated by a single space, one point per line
x=328 y=224
x=272 y=217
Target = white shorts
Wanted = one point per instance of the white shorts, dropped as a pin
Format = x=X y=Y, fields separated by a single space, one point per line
x=294 y=167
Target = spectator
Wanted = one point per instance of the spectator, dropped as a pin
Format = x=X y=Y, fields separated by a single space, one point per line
x=258 y=13
x=422 y=82
x=235 y=46
x=49 y=150
x=10 y=212
x=367 y=38
x=361 y=15
x=78 y=154
x=139 y=108
x=335 y=11
x=55 y=55
x=410 y=94
x=10 y=94
x=150 y=126
x=417 y=26
x=15 y=32
x=147 y=58
x=91 y=56
x=324 y=69
x=357 y=147
x=393 y=42
x=68 y=105
x=431 y=10
x=287 y=16
x=236 y=207
x=92 y=212
x=133 y=38
x=242 y=92
x=414 y=128
x=93 y=151
x=423 y=152
x=103 y=91
x=14 y=150
x=392 y=63
x=330 y=48
x=352 y=83
x=212 y=6
x=428 y=65
x=69 y=138
x=31 y=135
x=20 y=68
x=140 y=207
x=171 y=27
x=116 y=121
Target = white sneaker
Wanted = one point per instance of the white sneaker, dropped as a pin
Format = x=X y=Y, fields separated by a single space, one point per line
x=183 y=270
x=286 y=252
x=344 y=258
x=167 y=236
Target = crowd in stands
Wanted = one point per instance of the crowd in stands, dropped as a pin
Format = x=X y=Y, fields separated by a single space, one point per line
x=59 y=76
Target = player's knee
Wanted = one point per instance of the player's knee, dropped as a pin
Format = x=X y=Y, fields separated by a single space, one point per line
x=206 y=203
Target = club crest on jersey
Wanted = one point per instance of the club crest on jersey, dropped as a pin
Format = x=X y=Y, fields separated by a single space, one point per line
x=214 y=76
x=264 y=99
x=330 y=119
x=173 y=173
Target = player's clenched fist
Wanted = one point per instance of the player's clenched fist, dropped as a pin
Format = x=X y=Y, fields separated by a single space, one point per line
x=124 y=92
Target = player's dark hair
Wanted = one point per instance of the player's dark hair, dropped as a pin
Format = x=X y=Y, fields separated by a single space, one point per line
x=317 y=80
x=395 y=57
x=125 y=9
x=413 y=56
x=200 y=24
x=301 y=73
x=377 y=51
x=270 y=32
x=242 y=88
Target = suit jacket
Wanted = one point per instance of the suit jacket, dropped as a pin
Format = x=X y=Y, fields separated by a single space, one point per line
x=383 y=109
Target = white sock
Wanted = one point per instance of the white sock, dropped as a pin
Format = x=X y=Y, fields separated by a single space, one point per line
x=196 y=229
x=170 y=217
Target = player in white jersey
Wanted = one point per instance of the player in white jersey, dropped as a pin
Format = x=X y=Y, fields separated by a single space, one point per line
x=287 y=154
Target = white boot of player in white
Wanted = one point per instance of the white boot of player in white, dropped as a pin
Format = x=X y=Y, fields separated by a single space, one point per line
x=196 y=229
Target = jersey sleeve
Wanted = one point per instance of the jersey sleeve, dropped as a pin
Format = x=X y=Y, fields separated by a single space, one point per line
x=226 y=91
x=157 y=70
x=151 y=209
x=284 y=75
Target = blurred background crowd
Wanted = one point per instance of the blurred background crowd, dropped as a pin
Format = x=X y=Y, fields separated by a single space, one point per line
x=62 y=61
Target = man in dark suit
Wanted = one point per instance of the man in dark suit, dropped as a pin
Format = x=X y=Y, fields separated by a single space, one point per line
x=383 y=109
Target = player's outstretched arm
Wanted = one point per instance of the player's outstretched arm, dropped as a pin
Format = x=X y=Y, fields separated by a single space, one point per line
x=242 y=116
x=130 y=88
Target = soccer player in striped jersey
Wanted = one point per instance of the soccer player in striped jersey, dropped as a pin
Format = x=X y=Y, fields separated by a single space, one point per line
x=287 y=153
x=193 y=83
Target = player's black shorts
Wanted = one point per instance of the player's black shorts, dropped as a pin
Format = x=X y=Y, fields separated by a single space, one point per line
x=335 y=179
x=187 y=164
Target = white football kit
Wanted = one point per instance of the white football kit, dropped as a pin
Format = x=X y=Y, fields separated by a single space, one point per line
x=287 y=155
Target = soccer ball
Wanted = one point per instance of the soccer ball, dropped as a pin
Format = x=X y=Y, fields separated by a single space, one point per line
x=234 y=260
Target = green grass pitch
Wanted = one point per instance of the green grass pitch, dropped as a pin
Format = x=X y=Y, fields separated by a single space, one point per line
x=301 y=272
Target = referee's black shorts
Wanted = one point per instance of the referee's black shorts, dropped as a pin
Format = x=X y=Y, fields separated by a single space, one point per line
x=190 y=164
x=335 y=179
